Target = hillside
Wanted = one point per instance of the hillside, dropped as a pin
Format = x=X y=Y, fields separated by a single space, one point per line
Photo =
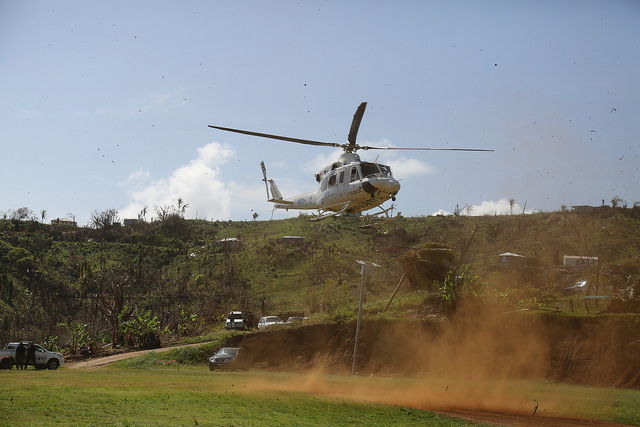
x=66 y=285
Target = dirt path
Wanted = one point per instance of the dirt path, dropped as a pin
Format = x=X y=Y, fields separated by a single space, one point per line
x=103 y=361
x=524 y=420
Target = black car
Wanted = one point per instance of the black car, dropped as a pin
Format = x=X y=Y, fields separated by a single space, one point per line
x=223 y=358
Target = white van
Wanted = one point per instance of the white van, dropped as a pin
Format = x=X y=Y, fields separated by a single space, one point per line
x=269 y=321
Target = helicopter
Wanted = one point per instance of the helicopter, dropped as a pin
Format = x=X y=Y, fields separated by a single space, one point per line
x=346 y=186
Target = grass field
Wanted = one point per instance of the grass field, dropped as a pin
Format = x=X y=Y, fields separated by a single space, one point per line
x=178 y=395
x=184 y=396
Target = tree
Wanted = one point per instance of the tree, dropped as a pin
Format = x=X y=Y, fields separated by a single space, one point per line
x=43 y=214
x=616 y=201
x=143 y=214
x=104 y=220
x=21 y=214
x=182 y=206
x=429 y=264
x=163 y=213
x=141 y=330
x=614 y=204
x=113 y=297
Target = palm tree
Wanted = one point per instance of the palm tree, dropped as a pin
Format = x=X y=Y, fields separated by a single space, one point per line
x=182 y=206
x=143 y=214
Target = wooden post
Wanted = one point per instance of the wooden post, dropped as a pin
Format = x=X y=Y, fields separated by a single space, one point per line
x=359 y=319
x=395 y=291
x=363 y=271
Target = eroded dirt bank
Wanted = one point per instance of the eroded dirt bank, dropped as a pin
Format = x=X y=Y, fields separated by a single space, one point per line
x=602 y=351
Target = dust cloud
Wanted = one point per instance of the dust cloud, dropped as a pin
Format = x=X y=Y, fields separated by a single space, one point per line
x=479 y=359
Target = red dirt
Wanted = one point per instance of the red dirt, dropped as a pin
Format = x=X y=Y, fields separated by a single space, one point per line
x=482 y=355
x=590 y=351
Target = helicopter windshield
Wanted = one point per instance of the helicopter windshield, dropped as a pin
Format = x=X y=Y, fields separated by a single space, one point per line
x=375 y=169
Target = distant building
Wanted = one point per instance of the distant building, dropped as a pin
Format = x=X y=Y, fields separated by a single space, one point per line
x=129 y=222
x=584 y=209
x=66 y=222
x=576 y=262
x=229 y=243
x=511 y=259
x=296 y=239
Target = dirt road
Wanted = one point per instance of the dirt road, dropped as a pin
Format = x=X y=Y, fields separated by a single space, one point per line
x=102 y=361
x=524 y=420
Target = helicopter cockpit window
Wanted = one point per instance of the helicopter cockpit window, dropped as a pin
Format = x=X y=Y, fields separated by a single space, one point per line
x=323 y=184
x=341 y=179
x=355 y=176
x=375 y=169
x=332 y=180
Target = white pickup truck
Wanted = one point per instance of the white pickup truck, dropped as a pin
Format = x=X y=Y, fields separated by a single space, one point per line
x=44 y=358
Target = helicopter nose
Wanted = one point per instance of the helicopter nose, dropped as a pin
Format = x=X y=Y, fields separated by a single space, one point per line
x=386 y=185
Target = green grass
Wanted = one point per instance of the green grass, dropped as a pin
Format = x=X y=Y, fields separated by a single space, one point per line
x=180 y=396
x=554 y=399
x=609 y=404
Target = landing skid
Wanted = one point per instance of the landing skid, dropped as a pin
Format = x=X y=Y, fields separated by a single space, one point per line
x=388 y=212
x=327 y=214
x=384 y=211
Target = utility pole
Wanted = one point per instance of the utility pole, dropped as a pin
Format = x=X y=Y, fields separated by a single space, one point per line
x=365 y=267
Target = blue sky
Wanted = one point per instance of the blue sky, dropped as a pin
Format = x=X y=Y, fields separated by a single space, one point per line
x=106 y=104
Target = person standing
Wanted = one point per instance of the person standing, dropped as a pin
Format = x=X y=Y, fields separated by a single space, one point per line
x=20 y=356
x=31 y=356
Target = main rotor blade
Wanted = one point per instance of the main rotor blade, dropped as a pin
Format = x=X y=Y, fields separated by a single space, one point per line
x=282 y=138
x=355 y=124
x=365 y=147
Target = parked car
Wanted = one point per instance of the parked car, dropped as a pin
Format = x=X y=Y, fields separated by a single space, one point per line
x=44 y=358
x=6 y=362
x=223 y=358
x=269 y=321
x=576 y=287
x=237 y=320
x=295 y=319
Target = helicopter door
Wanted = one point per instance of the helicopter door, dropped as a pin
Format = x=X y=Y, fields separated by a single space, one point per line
x=329 y=187
x=355 y=175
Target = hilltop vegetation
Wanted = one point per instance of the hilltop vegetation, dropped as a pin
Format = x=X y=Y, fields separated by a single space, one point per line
x=72 y=286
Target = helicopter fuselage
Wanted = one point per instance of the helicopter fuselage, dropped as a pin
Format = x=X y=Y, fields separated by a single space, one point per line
x=348 y=185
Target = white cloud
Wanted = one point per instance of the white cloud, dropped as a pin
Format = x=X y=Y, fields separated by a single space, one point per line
x=405 y=167
x=321 y=160
x=136 y=179
x=198 y=183
x=441 y=212
x=401 y=166
x=488 y=207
